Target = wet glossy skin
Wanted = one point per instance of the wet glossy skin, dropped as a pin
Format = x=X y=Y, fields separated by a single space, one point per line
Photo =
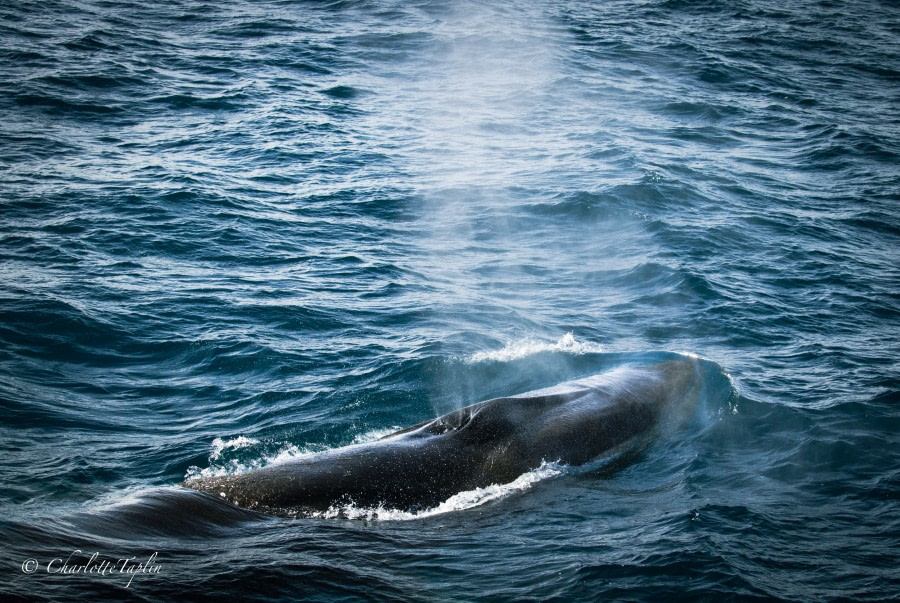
x=492 y=442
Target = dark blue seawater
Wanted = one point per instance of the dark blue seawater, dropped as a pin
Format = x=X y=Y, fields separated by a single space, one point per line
x=232 y=233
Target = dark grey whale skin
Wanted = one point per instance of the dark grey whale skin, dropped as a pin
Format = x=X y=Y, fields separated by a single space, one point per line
x=491 y=442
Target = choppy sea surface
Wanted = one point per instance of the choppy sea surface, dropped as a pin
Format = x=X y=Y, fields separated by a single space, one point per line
x=234 y=233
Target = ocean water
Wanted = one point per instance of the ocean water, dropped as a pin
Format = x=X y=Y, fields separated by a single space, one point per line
x=235 y=233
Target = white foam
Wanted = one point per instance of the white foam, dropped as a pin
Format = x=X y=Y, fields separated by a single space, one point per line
x=232 y=467
x=288 y=452
x=457 y=502
x=517 y=350
x=375 y=434
x=219 y=445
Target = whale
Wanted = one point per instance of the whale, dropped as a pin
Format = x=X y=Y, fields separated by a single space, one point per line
x=601 y=416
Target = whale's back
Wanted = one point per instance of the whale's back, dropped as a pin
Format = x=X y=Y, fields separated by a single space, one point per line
x=491 y=442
